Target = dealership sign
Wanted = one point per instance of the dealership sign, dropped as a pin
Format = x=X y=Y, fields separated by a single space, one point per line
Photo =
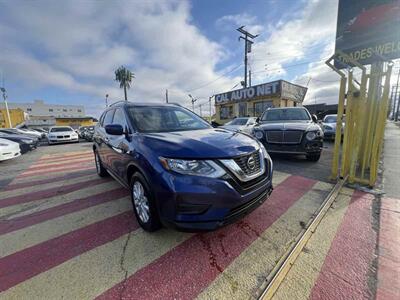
x=368 y=30
x=277 y=88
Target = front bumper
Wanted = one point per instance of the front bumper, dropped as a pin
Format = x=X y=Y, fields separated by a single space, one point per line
x=64 y=140
x=305 y=147
x=201 y=204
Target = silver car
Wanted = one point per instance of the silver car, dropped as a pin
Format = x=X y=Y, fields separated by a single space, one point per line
x=329 y=126
x=245 y=124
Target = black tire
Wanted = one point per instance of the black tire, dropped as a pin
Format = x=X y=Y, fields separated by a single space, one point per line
x=101 y=171
x=152 y=223
x=313 y=157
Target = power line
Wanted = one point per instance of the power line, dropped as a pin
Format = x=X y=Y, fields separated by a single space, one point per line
x=211 y=82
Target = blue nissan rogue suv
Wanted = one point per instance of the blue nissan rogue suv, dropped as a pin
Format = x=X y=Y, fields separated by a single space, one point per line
x=181 y=172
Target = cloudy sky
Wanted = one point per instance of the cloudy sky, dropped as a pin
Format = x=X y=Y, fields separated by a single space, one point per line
x=67 y=51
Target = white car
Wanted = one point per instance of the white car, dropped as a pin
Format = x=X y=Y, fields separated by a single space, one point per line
x=241 y=124
x=8 y=149
x=62 y=134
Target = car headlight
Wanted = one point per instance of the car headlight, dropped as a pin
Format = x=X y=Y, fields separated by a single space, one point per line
x=206 y=168
x=27 y=141
x=311 y=135
x=258 y=134
x=4 y=145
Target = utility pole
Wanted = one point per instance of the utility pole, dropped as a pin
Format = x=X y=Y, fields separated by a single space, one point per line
x=396 y=97
x=246 y=36
x=201 y=113
x=249 y=77
x=3 y=90
x=193 y=101
x=166 y=96
x=209 y=100
x=106 y=100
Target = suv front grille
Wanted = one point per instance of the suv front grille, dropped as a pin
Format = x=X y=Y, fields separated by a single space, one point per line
x=246 y=167
x=243 y=163
x=284 y=136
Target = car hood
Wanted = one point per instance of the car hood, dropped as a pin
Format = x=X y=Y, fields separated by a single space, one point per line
x=233 y=127
x=305 y=126
x=205 y=143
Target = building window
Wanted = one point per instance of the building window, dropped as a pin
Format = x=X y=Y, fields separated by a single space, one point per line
x=64 y=110
x=79 y=110
x=226 y=112
x=29 y=109
x=260 y=107
x=50 y=110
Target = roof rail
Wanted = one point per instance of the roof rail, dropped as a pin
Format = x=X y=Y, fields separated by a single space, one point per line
x=175 y=103
x=112 y=104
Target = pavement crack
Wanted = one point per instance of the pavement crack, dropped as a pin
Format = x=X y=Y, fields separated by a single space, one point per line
x=122 y=266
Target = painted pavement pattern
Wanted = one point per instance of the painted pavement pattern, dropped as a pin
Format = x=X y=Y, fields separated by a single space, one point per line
x=66 y=233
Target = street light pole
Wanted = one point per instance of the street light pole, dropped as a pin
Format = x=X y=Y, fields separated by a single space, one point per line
x=247 y=48
x=193 y=101
x=3 y=90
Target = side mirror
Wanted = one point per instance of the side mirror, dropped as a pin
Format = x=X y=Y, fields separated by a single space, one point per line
x=258 y=120
x=114 y=129
x=314 y=118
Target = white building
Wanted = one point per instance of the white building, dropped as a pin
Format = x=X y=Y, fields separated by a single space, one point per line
x=39 y=108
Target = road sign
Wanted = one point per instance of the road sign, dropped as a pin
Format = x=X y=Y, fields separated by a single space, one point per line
x=368 y=30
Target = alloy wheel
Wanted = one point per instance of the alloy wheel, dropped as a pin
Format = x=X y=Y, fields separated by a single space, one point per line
x=141 y=202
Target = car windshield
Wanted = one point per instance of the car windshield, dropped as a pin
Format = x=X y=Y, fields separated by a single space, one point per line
x=164 y=119
x=330 y=119
x=289 y=114
x=238 y=121
x=60 y=129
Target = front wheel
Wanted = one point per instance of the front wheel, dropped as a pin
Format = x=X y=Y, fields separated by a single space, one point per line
x=313 y=157
x=143 y=204
x=101 y=171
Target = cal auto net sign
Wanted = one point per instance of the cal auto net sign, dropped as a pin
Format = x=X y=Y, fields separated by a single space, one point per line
x=279 y=88
x=253 y=92
x=368 y=30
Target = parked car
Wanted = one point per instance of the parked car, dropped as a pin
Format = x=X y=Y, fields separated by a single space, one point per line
x=41 y=131
x=62 y=134
x=30 y=132
x=8 y=149
x=181 y=172
x=241 y=124
x=290 y=130
x=329 y=126
x=19 y=132
x=88 y=133
x=26 y=143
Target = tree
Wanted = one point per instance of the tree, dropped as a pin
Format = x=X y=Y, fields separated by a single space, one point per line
x=124 y=77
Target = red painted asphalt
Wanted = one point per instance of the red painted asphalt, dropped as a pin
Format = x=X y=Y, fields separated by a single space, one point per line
x=347 y=266
x=389 y=250
x=86 y=166
x=7 y=226
x=25 y=264
x=56 y=191
x=64 y=157
x=204 y=256
x=71 y=175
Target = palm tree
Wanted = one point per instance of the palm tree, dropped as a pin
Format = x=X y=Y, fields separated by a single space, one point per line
x=124 y=77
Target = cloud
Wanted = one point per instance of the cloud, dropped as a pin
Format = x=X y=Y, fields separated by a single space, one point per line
x=225 y=23
x=77 y=45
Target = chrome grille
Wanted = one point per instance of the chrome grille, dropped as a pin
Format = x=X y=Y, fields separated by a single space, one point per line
x=284 y=137
x=242 y=162
x=246 y=167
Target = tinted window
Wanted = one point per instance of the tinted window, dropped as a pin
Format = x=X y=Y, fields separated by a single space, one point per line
x=164 y=119
x=330 y=119
x=60 y=129
x=119 y=117
x=108 y=117
x=238 y=121
x=289 y=114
